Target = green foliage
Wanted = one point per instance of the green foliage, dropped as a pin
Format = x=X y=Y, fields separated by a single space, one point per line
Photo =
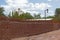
x=57 y=15
x=21 y=16
x=1 y=11
x=15 y=14
x=50 y=17
x=9 y=14
x=26 y=16
x=37 y=16
x=57 y=12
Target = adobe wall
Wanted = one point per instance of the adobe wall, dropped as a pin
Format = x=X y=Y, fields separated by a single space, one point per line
x=15 y=29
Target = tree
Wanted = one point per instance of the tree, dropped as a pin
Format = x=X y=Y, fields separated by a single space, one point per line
x=37 y=16
x=26 y=16
x=50 y=17
x=20 y=16
x=15 y=14
x=9 y=15
x=57 y=14
x=1 y=11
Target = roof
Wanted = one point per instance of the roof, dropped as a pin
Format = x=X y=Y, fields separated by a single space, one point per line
x=38 y=19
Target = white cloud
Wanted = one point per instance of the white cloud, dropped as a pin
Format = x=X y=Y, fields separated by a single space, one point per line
x=25 y=5
x=51 y=13
x=16 y=1
x=49 y=0
x=37 y=6
x=53 y=0
x=13 y=4
x=43 y=6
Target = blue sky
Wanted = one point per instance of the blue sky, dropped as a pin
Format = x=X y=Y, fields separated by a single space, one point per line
x=32 y=6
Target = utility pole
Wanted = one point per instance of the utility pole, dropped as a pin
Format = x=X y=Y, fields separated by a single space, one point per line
x=45 y=11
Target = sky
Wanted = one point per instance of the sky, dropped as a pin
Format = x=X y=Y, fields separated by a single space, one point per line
x=31 y=6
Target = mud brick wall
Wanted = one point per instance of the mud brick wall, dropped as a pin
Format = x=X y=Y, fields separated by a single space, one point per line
x=15 y=29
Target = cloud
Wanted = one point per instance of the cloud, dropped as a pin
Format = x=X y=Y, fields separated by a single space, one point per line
x=14 y=4
x=25 y=6
x=51 y=13
x=6 y=8
x=54 y=0
x=42 y=6
x=49 y=0
x=37 y=6
x=16 y=1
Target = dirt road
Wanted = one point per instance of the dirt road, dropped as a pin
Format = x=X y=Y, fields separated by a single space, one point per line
x=54 y=35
